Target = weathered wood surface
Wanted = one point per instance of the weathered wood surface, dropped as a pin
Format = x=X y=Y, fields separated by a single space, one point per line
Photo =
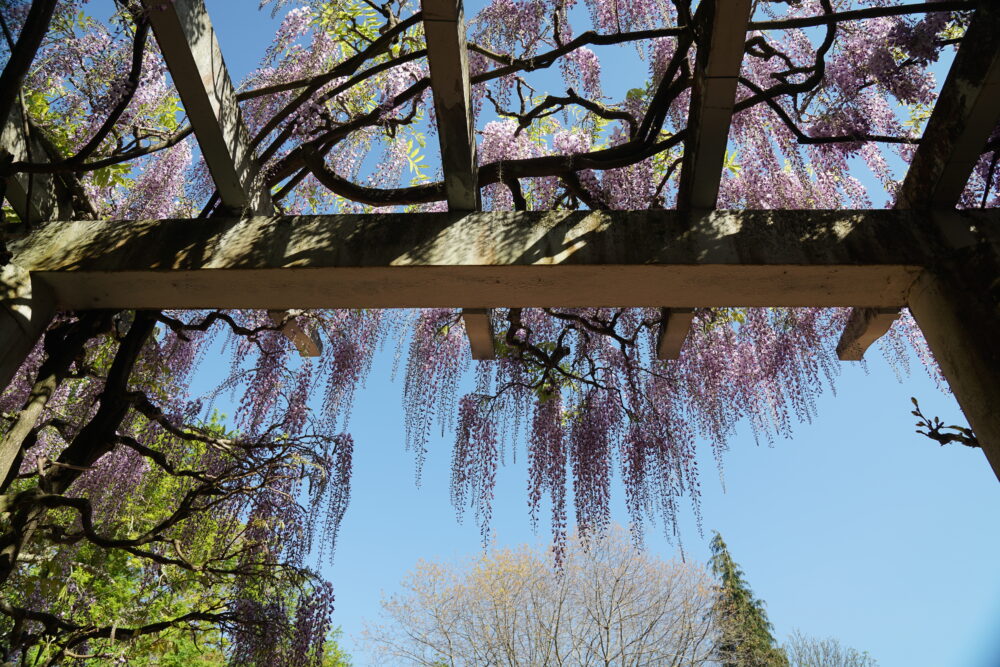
x=448 y=61
x=568 y=259
x=713 y=96
x=479 y=329
x=957 y=305
x=966 y=113
x=964 y=117
x=673 y=332
x=864 y=327
x=193 y=56
x=447 y=58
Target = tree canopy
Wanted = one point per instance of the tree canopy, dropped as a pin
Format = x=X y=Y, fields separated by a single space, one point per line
x=112 y=460
x=609 y=604
x=744 y=633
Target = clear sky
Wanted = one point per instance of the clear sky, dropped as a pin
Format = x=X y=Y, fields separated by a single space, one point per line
x=857 y=528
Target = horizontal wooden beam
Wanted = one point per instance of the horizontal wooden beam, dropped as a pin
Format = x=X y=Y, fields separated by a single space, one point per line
x=673 y=332
x=864 y=327
x=558 y=259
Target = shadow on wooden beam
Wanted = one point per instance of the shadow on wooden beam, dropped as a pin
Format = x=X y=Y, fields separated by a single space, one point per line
x=864 y=327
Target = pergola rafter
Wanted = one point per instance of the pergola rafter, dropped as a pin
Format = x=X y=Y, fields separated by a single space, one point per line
x=193 y=56
x=940 y=263
x=721 y=28
x=448 y=62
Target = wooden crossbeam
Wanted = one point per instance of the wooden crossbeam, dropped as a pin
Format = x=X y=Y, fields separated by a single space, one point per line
x=447 y=58
x=558 y=259
x=673 y=332
x=193 y=55
x=940 y=263
x=722 y=27
x=966 y=113
x=713 y=96
x=34 y=197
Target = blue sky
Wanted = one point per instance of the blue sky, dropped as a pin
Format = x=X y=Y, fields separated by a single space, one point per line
x=857 y=528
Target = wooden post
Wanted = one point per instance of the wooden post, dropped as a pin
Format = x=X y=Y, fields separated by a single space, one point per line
x=26 y=305
x=957 y=305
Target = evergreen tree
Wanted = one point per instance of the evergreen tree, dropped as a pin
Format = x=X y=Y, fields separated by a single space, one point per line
x=744 y=636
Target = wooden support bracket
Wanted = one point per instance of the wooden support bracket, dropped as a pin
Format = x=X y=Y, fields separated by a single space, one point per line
x=479 y=329
x=673 y=332
x=864 y=327
x=307 y=343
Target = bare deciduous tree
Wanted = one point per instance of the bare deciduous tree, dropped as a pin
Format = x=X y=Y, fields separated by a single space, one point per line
x=804 y=651
x=609 y=605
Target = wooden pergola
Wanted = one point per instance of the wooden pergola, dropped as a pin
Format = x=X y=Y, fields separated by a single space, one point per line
x=941 y=263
